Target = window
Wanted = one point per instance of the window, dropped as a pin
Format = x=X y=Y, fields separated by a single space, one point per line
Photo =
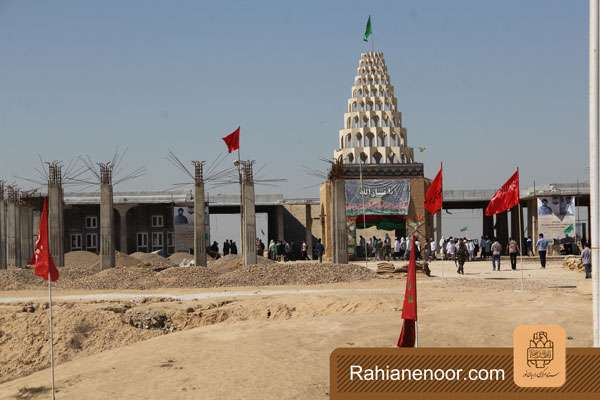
x=158 y=221
x=91 y=241
x=91 y=222
x=76 y=241
x=170 y=242
x=142 y=240
x=157 y=240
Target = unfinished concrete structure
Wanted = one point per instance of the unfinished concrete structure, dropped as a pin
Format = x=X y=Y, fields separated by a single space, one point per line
x=13 y=231
x=3 y=263
x=373 y=132
x=56 y=226
x=249 y=215
x=107 y=247
x=199 y=215
x=26 y=232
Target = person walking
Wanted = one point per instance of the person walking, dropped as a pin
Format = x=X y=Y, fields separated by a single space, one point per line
x=586 y=259
x=513 y=252
x=496 y=254
x=462 y=254
x=529 y=246
x=433 y=248
x=226 y=247
x=304 y=251
x=542 y=247
x=319 y=250
x=451 y=251
x=471 y=249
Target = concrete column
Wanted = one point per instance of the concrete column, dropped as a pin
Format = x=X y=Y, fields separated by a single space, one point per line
x=107 y=247
x=309 y=236
x=514 y=224
x=438 y=226
x=502 y=228
x=340 y=234
x=11 y=229
x=249 y=225
x=3 y=263
x=26 y=234
x=488 y=226
x=199 y=217
x=56 y=228
x=280 y=225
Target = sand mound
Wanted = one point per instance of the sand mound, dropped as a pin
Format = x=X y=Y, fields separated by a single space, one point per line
x=18 y=278
x=180 y=257
x=152 y=259
x=80 y=258
x=230 y=263
x=124 y=261
x=115 y=278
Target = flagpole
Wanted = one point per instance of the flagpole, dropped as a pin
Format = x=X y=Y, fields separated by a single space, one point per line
x=51 y=332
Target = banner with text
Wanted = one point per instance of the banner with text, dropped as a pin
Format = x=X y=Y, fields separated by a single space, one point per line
x=377 y=197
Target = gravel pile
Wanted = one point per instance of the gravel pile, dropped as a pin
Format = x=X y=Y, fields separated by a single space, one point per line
x=186 y=277
x=92 y=278
x=294 y=274
x=230 y=263
x=123 y=260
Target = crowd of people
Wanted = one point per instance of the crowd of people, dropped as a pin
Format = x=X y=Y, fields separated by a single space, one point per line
x=279 y=250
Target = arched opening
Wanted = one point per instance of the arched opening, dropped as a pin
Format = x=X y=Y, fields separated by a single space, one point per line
x=363 y=158
x=391 y=157
x=370 y=139
x=377 y=157
x=349 y=140
x=350 y=158
x=358 y=140
x=381 y=139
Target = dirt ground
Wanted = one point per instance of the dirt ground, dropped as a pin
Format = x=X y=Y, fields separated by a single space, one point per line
x=264 y=342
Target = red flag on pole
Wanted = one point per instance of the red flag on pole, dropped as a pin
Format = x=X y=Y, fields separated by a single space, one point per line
x=434 y=194
x=43 y=262
x=409 y=309
x=233 y=140
x=506 y=197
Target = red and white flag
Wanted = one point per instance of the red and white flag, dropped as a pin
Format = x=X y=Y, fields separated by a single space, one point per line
x=506 y=197
x=434 y=194
x=409 y=309
x=233 y=140
x=42 y=259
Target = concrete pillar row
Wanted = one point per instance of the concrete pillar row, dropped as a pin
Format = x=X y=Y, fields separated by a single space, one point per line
x=488 y=226
x=199 y=216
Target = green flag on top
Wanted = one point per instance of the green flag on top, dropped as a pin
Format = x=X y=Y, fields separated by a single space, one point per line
x=368 y=30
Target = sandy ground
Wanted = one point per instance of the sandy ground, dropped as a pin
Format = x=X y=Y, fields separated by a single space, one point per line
x=275 y=342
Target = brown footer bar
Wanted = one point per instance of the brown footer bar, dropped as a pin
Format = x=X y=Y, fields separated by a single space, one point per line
x=464 y=373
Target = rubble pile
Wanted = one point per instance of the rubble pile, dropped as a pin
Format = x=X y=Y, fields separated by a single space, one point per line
x=573 y=263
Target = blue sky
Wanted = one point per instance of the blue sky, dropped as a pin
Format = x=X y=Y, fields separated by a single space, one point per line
x=484 y=85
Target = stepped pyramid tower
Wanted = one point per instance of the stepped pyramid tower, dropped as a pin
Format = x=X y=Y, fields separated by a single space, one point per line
x=373 y=132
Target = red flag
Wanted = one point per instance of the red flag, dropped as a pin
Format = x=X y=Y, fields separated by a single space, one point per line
x=43 y=262
x=434 y=196
x=233 y=140
x=409 y=309
x=506 y=197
